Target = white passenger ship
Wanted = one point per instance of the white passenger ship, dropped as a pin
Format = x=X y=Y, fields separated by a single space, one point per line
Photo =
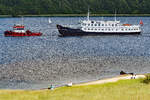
x=93 y=27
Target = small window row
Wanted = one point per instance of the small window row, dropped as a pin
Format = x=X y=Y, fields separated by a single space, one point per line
x=109 y=29
x=100 y=24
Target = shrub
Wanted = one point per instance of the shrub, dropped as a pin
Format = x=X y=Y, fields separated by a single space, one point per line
x=147 y=79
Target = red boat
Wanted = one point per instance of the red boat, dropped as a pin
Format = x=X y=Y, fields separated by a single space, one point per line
x=18 y=30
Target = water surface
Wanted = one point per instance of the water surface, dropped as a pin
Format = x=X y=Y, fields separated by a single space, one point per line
x=37 y=62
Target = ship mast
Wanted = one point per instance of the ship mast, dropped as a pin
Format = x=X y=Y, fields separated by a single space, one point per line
x=115 y=16
x=22 y=20
x=88 y=15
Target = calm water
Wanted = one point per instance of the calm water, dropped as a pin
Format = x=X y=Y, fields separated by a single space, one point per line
x=36 y=62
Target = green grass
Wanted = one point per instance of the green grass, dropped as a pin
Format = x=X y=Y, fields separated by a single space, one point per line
x=121 y=90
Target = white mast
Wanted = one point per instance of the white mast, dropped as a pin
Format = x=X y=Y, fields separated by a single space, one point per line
x=88 y=15
x=22 y=20
x=115 y=16
x=102 y=18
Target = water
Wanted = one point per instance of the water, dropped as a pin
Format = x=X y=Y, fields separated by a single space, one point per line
x=38 y=62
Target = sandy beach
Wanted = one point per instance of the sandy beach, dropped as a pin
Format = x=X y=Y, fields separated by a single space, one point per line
x=114 y=79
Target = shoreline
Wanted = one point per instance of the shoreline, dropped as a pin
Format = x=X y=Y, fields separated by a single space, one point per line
x=122 y=89
x=96 y=82
x=113 y=79
x=78 y=15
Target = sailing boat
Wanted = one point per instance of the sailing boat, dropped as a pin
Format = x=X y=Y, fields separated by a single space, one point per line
x=49 y=21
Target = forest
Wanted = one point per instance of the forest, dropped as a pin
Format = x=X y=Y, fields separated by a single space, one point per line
x=43 y=7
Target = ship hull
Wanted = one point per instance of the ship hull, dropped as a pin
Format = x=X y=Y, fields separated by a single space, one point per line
x=16 y=34
x=66 y=31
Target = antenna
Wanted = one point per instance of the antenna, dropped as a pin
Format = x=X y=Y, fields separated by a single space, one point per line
x=102 y=17
x=88 y=15
x=115 y=15
x=22 y=20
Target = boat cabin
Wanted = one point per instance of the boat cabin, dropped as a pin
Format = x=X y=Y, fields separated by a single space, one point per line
x=19 y=28
x=108 y=26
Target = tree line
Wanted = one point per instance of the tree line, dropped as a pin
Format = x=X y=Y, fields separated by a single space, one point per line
x=38 y=7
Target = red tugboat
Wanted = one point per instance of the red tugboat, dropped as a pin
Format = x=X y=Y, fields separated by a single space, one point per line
x=18 y=30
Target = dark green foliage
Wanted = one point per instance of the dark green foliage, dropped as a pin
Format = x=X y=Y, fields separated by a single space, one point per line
x=36 y=7
x=147 y=79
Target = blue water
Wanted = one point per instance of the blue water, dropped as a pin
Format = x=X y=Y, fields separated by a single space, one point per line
x=51 y=47
x=14 y=49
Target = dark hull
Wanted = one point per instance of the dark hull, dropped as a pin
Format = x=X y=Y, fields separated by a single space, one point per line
x=65 y=31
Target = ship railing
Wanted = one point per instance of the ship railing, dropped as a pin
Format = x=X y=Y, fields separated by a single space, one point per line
x=72 y=26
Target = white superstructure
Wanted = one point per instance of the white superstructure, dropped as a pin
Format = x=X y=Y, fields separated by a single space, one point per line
x=19 y=28
x=108 y=26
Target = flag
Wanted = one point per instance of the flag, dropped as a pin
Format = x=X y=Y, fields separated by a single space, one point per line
x=141 y=22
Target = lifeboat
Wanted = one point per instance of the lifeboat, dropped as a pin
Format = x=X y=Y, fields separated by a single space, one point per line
x=126 y=24
x=19 y=30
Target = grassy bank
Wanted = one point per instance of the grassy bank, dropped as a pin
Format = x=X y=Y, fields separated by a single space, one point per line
x=122 y=90
x=78 y=15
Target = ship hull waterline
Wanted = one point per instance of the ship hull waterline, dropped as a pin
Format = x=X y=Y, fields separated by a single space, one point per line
x=66 y=31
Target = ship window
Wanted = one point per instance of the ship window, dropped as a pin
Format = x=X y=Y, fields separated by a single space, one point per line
x=99 y=24
x=102 y=29
x=88 y=24
x=122 y=29
x=91 y=24
x=105 y=24
x=19 y=28
x=102 y=24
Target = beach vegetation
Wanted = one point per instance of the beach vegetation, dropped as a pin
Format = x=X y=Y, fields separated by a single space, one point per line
x=133 y=89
